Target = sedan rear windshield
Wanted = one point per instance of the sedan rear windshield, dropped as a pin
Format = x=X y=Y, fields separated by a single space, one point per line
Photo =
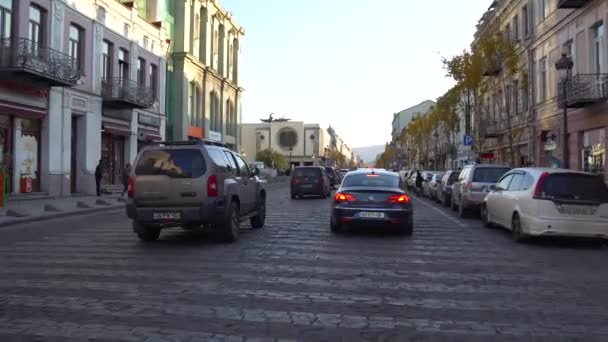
x=489 y=174
x=575 y=186
x=369 y=180
x=307 y=172
x=174 y=163
x=453 y=177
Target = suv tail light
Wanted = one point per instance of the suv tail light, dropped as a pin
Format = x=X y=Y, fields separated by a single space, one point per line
x=399 y=199
x=538 y=190
x=131 y=187
x=344 y=197
x=212 y=187
x=468 y=186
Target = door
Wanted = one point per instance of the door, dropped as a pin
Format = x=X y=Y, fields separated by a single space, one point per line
x=497 y=205
x=248 y=184
x=6 y=155
x=73 y=163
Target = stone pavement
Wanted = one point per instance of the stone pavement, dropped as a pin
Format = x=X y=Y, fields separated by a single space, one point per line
x=89 y=278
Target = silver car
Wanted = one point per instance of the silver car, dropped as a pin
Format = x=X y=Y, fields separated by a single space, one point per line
x=193 y=184
x=473 y=184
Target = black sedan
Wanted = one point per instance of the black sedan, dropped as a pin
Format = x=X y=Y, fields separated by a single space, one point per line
x=372 y=198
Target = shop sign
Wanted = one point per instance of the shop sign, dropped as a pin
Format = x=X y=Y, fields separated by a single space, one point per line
x=487 y=156
x=24 y=89
x=149 y=120
x=215 y=136
x=550 y=145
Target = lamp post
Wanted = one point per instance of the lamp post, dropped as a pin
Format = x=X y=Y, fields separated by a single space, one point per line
x=290 y=150
x=564 y=67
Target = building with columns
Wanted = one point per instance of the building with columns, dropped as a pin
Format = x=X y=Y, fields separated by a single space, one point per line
x=204 y=93
x=82 y=81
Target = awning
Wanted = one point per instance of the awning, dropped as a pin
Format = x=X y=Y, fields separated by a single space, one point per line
x=115 y=129
x=24 y=111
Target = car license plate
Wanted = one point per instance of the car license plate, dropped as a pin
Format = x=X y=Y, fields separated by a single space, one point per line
x=577 y=210
x=371 y=215
x=307 y=186
x=168 y=216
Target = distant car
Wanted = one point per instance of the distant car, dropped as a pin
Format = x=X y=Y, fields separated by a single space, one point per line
x=548 y=202
x=473 y=185
x=434 y=185
x=193 y=184
x=444 y=190
x=427 y=176
x=334 y=177
x=310 y=181
x=343 y=172
x=372 y=198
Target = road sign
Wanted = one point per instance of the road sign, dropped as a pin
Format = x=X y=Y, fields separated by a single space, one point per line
x=468 y=140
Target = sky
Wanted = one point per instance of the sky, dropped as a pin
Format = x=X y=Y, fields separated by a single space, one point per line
x=348 y=63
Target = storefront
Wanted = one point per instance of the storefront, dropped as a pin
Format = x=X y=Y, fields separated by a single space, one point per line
x=594 y=151
x=148 y=130
x=113 y=143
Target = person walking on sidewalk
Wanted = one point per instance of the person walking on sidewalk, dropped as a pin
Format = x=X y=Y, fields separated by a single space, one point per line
x=126 y=173
x=98 y=176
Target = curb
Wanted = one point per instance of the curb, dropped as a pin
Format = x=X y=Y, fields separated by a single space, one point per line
x=94 y=210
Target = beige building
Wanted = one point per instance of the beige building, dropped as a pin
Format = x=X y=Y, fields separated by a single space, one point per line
x=303 y=144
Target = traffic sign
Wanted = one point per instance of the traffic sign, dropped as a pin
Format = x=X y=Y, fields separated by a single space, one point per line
x=468 y=140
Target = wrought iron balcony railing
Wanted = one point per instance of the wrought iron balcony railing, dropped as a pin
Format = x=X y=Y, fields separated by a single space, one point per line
x=571 y=3
x=37 y=63
x=583 y=90
x=124 y=93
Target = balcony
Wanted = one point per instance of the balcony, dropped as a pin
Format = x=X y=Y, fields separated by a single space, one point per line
x=490 y=129
x=584 y=90
x=29 y=62
x=121 y=93
x=571 y=4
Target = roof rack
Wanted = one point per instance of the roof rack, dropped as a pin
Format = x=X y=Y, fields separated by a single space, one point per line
x=193 y=142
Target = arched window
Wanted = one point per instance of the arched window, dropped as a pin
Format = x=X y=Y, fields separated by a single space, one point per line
x=197 y=35
x=215 y=123
x=192 y=103
x=235 y=60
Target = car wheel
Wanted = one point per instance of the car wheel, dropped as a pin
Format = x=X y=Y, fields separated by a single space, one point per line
x=259 y=220
x=229 y=230
x=462 y=212
x=146 y=233
x=485 y=218
x=516 y=230
x=335 y=227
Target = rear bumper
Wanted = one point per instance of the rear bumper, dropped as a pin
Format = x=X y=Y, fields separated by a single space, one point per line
x=314 y=190
x=210 y=212
x=567 y=228
x=473 y=200
x=391 y=216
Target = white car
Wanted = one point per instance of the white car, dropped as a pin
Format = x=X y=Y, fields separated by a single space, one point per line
x=548 y=202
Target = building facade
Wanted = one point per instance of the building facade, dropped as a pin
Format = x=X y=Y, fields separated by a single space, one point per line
x=404 y=117
x=204 y=93
x=87 y=86
x=302 y=144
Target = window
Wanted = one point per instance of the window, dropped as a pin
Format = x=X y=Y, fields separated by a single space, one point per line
x=145 y=42
x=35 y=26
x=527 y=183
x=542 y=80
x=503 y=184
x=507 y=32
x=192 y=103
x=230 y=158
x=507 y=99
x=101 y=14
x=174 y=163
x=75 y=46
x=243 y=168
x=215 y=120
x=598 y=44
x=524 y=92
x=123 y=64
x=196 y=35
x=576 y=187
x=213 y=46
x=368 y=180
x=106 y=59
x=515 y=92
x=543 y=7
x=235 y=60
x=489 y=174
x=154 y=80
x=141 y=72
x=126 y=29
x=221 y=48
x=516 y=182
x=218 y=158
x=525 y=18
x=5 y=18
x=516 y=28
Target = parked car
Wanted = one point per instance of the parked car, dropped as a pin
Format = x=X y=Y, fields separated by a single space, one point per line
x=193 y=184
x=434 y=185
x=310 y=180
x=343 y=172
x=426 y=180
x=334 y=177
x=473 y=185
x=372 y=198
x=548 y=202
x=444 y=189
x=411 y=181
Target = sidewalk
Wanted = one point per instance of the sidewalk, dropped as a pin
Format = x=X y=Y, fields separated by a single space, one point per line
x=24 y=210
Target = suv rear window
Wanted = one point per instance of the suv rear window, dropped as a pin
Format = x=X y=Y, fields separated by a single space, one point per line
x=575 y=186
x=307 y=172
x=369 y=180
x=175 y=163
x=489 y=174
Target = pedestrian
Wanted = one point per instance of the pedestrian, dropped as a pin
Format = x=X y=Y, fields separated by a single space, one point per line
x=98 y=176
x=125 y=178
x=419 y=181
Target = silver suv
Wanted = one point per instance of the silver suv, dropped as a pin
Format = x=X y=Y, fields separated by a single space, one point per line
x=473 y=184
x=193 y=184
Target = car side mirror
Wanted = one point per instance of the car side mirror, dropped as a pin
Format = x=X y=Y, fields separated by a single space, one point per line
x=256 y=172
x=493 y=187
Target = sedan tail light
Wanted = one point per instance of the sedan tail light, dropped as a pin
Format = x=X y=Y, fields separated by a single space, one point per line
x=399 y=199
x=344 y=197
x=538 y=190
x=212 y=187
x=131 y=187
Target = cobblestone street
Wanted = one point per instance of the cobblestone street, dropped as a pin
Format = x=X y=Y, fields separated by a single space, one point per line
x=89 y=278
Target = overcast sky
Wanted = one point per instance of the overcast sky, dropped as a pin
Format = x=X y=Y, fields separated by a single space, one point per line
x=348 y=63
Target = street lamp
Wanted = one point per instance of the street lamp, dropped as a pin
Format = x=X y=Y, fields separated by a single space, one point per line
x=564 y=67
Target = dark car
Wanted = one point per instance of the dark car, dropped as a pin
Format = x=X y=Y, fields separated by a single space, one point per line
x=310 y=181
x=334 y=177
x=444 y=192
x=372 y=198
